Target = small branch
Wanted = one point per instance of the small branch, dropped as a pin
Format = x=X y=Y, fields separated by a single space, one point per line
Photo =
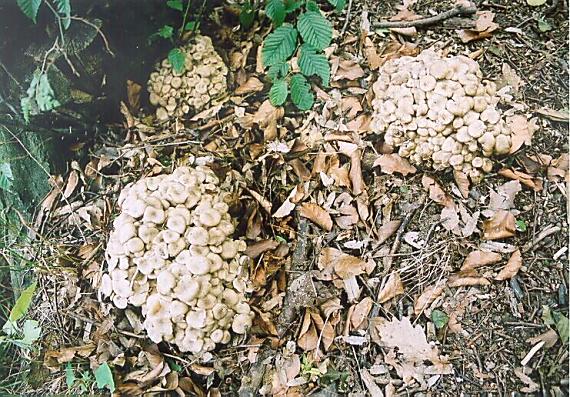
x=457 y=11
x=87 y=22
x=541 y=236
x=347 y=20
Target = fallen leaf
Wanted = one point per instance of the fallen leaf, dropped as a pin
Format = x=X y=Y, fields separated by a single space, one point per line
x=484 y=27
x=360 y=312
x=559 y=169
x=555 y=115
x=288 y=206
x=522 y=131
x=512 y=267
x=392 y=288
x=72 y=182
x=428 y=296
x=133 y=95
x=390 y=163
x=325 y=329
x=526 y=179
x=387 y=230
x=370 y=384
x=316 y=214
x=449 y=218
x=372 y=57
x=253 y=84
x=436 y=193
x=532 y=386
x=504 y=198
x=350 y=106
x=549 y=338
x=345 y=266
x=462 y=182
x=308 y=338
x=510 y=78
x=348 y=70
x=501 y=225
x=259 y=247
x=466 y=279
x=478 y=258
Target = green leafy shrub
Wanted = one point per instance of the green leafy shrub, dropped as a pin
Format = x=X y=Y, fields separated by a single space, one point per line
x=307 y=33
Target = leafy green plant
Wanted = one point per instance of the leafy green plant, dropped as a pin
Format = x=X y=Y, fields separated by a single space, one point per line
x=39 y=95
x=439 y=318
x=307 y=33
x=81 y=384
x=30 y=330
x=168 y=32
x=104 y=377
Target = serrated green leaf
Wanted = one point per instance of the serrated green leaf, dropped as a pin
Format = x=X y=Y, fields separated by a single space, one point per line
x=562 y=327
x=439 y=318
x=45 y=97
x=312 y=6
x=104 y=377
x=64 y=9
x=292 y=5
x=192 y=25
x=31 y=331
x=315 y=29
x=521 y=225
x=177 y=59
x=246 y=15
x=278 y=93
x=301 y=94
x=69 y=375
x=312 y=63
x=6 y=177
x=338 y=4
x=30 y=8
x=275 y=10
x=175 y=4
x=278 y=70
x=166 y=32
x=279 y=45
x=20 y=308
x=544 y=26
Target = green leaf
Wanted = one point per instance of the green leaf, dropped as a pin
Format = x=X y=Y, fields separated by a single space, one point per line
x=104 y=377
x=562 y=327
x=246 y=15
x=521 y=225
x=315 y=29
x=278 y=70
x=338 y=4
x=166 y=32
x=292 y=5
x=279 y=45
x=64 y=8
x=192 y=25
x=6 y=177
x=301 y=94
x=543 y=26
x=547 y=316
x=535 y=3
x=20 y=308
x=312 y=63
x=30 y=8
x=175 y=4
x=31 y=331
x=275 y=10
x=312 y=6
x=177 y=59
x=278 y=93
x=439 y=318
x=69 y=375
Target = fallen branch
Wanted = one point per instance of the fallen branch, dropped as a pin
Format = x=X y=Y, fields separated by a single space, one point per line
x=457 y=11
x=541 y=236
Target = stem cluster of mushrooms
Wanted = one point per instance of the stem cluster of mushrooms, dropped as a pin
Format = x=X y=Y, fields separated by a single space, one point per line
x=440 y=113
x=201 y=83
x=171 y=253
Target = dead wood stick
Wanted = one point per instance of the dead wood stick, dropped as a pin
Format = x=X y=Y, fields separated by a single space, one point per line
x=293 y=300
x=541 y=236
x=454 y=12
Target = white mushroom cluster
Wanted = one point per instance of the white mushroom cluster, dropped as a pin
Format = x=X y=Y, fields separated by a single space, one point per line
x=440 y=113
x=171 y=253
x=202 y=81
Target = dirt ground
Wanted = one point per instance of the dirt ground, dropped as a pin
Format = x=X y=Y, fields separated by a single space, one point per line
x=309 y=336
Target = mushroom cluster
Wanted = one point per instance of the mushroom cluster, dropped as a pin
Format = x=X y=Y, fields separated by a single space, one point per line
x=202 y=81
x=440 y=113
x=171 y=254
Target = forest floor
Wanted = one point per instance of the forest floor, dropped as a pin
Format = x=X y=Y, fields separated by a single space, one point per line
x=348 y=335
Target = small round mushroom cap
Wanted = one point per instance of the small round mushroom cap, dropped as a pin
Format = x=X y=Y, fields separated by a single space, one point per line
x=476 y=129
x=153 y=215
x=241 y=323
x=196 y=318
x=502 y=144
x=134 y=245
x=197 y=236
x=165 y=281
x=198 y=265
x=217 y=336
x=176 y=223
x=210 y=217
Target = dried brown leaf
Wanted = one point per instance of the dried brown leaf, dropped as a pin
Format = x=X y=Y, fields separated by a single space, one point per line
x=511 y=268
x=504 y=198
x=348 y=70
x=501 y=225
x=288 y=205
x=462 y=182
x=556 y=115
x=259 y=247
x=549 y=338
x=387 y=230
x=252 y=84
x=308 y=338
x=436 y=192
x=360 y=312
x=526 y=179
x=392 y=288
x=371 y=54
x=390 y=163
x=72 y=182
x=370 y=383
x=466 y=279
x=316 y=214
x=478 y=258
x=428 y=296
x=522 y=131
x=559 y=169
x=133 y=95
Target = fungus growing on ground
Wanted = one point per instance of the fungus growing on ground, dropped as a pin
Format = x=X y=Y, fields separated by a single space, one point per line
x=440 y=113
x=171 y=254
x=202 y=81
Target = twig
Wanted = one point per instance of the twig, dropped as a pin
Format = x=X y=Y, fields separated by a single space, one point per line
x=347 y=20
x=457 y=11
x=87 y=22
x=541 y=236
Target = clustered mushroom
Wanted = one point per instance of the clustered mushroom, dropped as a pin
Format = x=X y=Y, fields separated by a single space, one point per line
x=171 y=254
x=202 y=81
x=440 y=113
